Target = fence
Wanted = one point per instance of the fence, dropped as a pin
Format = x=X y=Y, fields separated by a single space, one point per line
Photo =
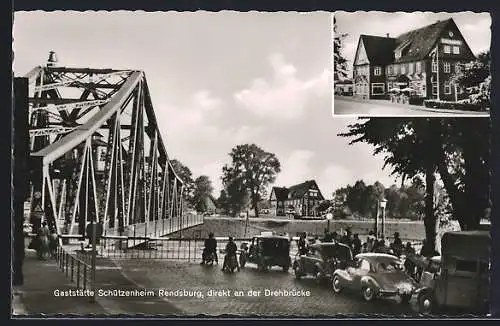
x=172 y=249
x=77 y=269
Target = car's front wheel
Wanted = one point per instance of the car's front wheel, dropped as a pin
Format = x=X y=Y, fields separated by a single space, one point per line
x=425 y=303
x=337 y=288
x=368 y=293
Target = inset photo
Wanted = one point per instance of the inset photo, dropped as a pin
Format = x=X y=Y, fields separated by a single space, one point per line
x=411 y=64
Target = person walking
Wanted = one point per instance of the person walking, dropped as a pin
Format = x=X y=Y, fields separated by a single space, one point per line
x=43 y=241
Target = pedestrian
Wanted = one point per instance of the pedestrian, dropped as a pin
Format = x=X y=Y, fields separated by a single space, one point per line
x=356 y=244
x=43 y=241
x=364 y=249
x=302 y=244
x=397 y=245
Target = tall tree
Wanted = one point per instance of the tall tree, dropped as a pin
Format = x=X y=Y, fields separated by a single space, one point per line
x=456 y=148
x=186 y=176
x=340 y=62
x=222 y=202
x=202 y=189
x=251 y=169
x=409 y=150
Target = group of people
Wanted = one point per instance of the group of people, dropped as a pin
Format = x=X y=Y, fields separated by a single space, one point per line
x=210 y=252
x=45 y=240
x=372 y=244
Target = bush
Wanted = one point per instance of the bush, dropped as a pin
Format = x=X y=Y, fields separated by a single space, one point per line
x=449 y=105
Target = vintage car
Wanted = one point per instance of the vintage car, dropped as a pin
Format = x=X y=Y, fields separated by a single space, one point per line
x=375 y=275
x=459 y=278
x=322 y=259
x=267 y=250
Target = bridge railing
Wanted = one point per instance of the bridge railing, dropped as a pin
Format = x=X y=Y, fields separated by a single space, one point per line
x=77 y=269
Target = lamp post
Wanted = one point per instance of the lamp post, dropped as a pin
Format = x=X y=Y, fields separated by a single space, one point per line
x=329 y=216
x=383 y=203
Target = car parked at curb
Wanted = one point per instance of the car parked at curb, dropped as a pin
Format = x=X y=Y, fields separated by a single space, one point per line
x=321 y=260
x=375 y=275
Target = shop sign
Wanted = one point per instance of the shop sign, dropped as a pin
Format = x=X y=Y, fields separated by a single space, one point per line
x=451 y=42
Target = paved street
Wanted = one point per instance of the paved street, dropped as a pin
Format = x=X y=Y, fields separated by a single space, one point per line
x=171 y=276
x=350 y=106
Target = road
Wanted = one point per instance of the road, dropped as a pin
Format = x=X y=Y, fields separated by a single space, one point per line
x=350 y=106
x=315 y=299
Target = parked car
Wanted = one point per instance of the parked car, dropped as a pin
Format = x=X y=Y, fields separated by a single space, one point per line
x=375 y=275
x=322 y=259
x=267 y=251
x=459 y=278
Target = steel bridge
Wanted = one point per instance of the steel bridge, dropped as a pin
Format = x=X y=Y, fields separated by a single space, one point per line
x=96 y=154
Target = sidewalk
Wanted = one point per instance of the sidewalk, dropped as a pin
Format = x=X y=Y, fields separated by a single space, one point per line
x=36 y=296
x=420 y=108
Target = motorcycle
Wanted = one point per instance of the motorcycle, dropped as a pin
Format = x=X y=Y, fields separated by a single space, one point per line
x=210 y=259
x=231 y=263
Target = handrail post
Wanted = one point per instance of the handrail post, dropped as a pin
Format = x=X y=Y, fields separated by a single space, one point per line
x=93 y=261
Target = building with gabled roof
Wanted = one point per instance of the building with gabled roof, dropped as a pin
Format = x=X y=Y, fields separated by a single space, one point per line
x=301 y=198
x=422 y=60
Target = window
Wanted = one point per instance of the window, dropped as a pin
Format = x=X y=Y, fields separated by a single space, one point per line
x=447 y=88
x=364 y=265
x=403 y=69
x=389 y=85
x=456 y=50
x=434 y=66
x=378 y=88
x=434 y=88
x=447 y=49
x=447 y=67
x=410 y=68
x=377 y=71
x=458 y=68
x=396 y=69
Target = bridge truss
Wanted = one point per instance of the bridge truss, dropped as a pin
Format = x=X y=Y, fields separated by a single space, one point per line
x=97 y=152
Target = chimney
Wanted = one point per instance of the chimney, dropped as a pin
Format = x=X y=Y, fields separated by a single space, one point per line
x=387 y=34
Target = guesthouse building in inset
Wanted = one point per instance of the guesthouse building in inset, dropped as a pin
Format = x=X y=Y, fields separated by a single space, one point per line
x=421 y=61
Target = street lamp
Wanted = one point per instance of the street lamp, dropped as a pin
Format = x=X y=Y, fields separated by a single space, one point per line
x=383 y=203
x=329 y=216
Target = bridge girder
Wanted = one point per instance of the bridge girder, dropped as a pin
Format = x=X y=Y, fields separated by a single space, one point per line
x=97 y=159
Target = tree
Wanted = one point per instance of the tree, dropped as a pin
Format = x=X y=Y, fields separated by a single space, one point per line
x=202 y=189
x=186 y=176
x=409 y=150
x=238 y=197
x=340 y=62
x=475 y=77
x=223 y=202
x=251 y=169
x=456 y=148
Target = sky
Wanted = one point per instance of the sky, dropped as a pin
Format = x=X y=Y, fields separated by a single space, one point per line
x=475 y=27
x=218 y=80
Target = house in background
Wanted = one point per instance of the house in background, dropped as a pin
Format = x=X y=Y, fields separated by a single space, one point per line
x=302 y=198
x=423 y=60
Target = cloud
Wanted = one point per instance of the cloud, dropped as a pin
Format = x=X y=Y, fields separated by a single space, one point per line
x=296 y=168
x=285 y=95
x=334 y=177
